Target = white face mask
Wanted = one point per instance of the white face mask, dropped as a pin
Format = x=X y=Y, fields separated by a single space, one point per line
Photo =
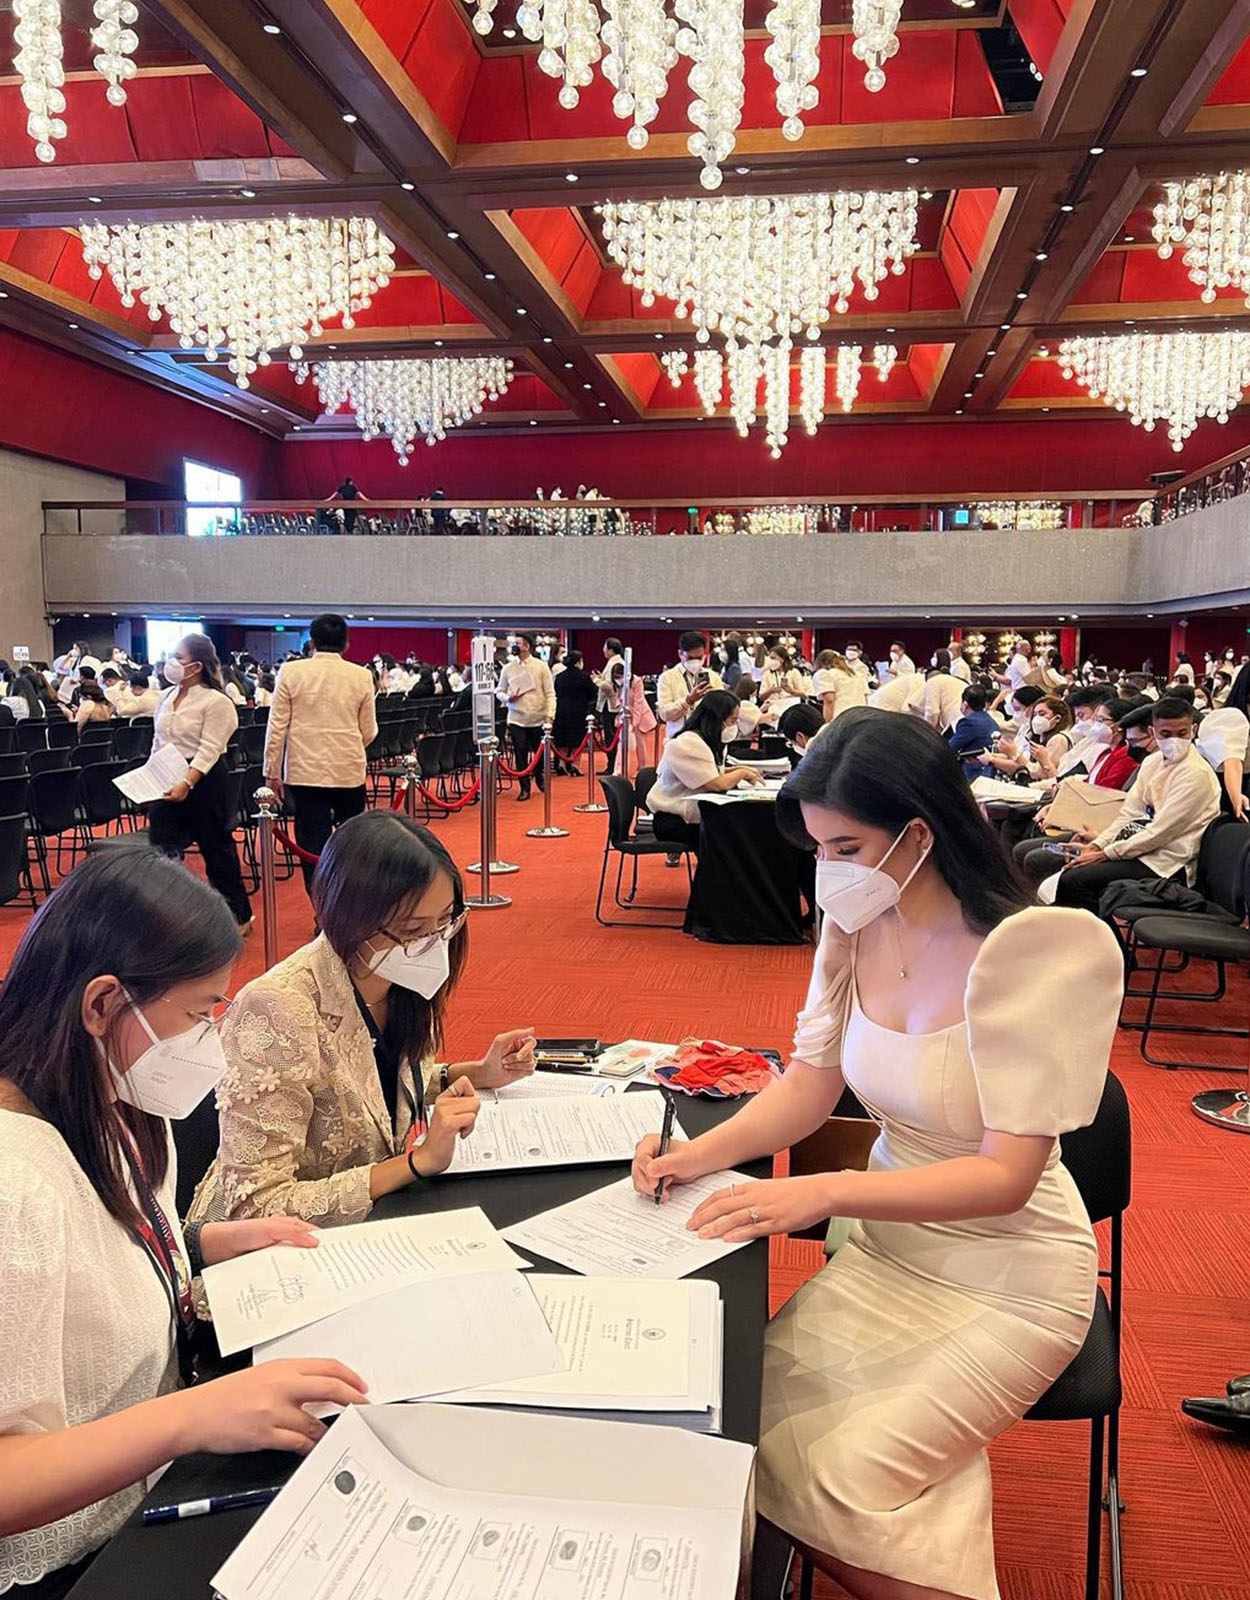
x=730 y=733
x=852 y=655
x=773 y=664
x=853 y=895
x=1040 y=725
x=425 y=974
x=172 y=1075
x=174 y=670
x=1100 y=732
x=1173 y=750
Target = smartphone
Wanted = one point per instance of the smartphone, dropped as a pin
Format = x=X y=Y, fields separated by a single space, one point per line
x=1060 y=849
x=704 y=675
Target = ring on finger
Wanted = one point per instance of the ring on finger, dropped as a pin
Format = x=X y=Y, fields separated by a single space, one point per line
x=731 y=1188
x=754 y=1216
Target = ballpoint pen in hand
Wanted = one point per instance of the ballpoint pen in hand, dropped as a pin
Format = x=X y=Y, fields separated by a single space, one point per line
x=666 y=1136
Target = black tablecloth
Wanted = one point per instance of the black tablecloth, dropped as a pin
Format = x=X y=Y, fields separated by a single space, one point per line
x=751 y=884
x=176 y=1560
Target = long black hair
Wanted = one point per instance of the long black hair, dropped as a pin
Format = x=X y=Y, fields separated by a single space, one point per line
x=1239 y=694
x=709 y=717
x=142 y=917
x=885 y=770
x=370 y=869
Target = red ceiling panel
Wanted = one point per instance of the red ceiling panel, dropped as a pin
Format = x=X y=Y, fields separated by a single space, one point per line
x=396 y=21
x=556 y=236
x=583 y=276
x=1044 y=380
x=924 y=361
x=226 y=127
x=98 y=132
x=1233 y=89
x=1148 y=278
x=443 y=62
x=612 y=300
x=1040 y=23
x=641 y=372
x=497 y=108
x=37 y=251
x=161 y=112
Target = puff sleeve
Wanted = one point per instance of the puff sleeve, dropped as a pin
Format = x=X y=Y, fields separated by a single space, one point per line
x=1040 y=1062
x=819 y=1026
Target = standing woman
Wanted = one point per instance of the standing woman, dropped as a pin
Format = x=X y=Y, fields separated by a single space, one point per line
x=838 y=684
x=967 y=1284
x=197 y=718
x=108 y=1017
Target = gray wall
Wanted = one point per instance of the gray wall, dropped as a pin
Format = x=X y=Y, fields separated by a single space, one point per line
x=25 y=482
x=1204 y=557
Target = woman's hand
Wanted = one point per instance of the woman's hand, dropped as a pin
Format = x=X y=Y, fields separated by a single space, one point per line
x=510 y=1057
x=680 y=1165
x=223 y=1241
x=178 y=793
x=749 y=776
x=263 y=1408
x=754 y=1210
x=455 y=1112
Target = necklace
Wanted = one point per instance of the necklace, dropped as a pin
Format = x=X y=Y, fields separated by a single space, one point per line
x=903 y=971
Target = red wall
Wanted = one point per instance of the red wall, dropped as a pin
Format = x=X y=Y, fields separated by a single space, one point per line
x=844 y=459
x=69 y=409
x=1118 y=645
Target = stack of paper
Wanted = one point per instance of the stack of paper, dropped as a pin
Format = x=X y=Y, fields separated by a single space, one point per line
x=550 y=1086
x=1011 y=794
x=642 y=1350
x=557 y=1132
x=454 y=1504
x=632 y=1057
x=159 y=773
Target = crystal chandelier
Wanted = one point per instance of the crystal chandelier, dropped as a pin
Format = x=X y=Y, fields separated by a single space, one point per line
x=1024 y=515
x=38 y=62
x=1210 y=219
x=248 y=287
x=637 y=44
x=1177 y=378
x=745 y=367
x=405 y=398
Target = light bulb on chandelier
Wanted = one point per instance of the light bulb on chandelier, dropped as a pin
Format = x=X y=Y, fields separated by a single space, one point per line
x=38 y=62
x=404 y=399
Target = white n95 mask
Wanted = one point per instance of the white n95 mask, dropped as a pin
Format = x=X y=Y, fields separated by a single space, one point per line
x=172 y=1075
x=853 y=895
x=425 y=973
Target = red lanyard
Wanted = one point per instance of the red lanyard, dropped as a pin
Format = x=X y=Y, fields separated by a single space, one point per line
x=157 y=1238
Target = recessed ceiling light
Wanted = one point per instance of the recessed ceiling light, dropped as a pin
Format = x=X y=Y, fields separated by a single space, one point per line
x=967 y=394
x=452 y=234
x=978 y=374
x=248 y=194
x=1138 y=72
x=585 y=386
x=438 y=342
x=349 y=117
x=334 y=347
x=616 y=419
x=657 y=335
x=990 y=353
x=1023 y=295
x=3 y=295
x=1130 y=322
x=889 y=330
x=913 y=161
x=742 y=171
x=1067 y=206
x=1040 y=256
x=521 y=311
x=1045 y=408
x=406 y=184
x=568 y=366
x=1005 y=327
x=533 y=423
x=489 y=276
x=271 y=27
x=509 y=33
x=287 y=615
x=264 y=411
x=95 y=199
x=74 y=325
x=298 y=429
x=1097 y=150
x=594 y=616
x=927 y=194
x=570 y=177
x=603 y=405
x=1130 y=238
x=369 y=619
x=959 y=411
x=547 y=339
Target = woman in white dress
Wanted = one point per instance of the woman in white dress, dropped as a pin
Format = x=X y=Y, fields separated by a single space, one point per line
x=838 y=684
x=968 y=1281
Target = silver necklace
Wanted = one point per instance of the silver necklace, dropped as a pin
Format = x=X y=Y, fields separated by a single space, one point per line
x=924 y=949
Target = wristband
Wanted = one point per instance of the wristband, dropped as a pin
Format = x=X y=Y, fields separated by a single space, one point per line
x=195 y=1256
x=411 y=1168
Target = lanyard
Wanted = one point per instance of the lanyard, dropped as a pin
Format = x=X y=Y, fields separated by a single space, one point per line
x=384 y=1057
x=168 y=1262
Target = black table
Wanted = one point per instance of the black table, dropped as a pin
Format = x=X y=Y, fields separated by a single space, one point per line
x=176 y=1560
x=751 y=883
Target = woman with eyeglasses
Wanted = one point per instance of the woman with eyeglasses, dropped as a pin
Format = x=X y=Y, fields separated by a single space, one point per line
x=107 y=1029
x=326 y=1104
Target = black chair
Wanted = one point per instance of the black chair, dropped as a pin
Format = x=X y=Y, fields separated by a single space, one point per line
x=644 y=782
x=62 y=735
x=15 y=879
x=622 y=841
x=13 y=791
x=53 y=802
x=32 y=735
x=8 y=734
x=131 y=741
x=93 y=753
x=195 y=1140
x=95 y=733
x=100 y=801
x=1100 y=1161
x=13 y=764
x=252 y=738
x=47 y=761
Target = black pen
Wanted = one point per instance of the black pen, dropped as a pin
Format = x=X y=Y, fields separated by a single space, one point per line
x=204 y=1508
x=666 y=1135
x=444 y=1080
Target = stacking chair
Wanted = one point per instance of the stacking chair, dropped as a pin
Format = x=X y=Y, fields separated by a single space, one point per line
x=12 y=764
x=1100 y=1160
x=100 y=801
x=15 y=879
x=62 y=735
x=252 y=739
x=47 y=761
x=93 y=752
x=53 y=802
x=626 y=845
x=8 y=735
x=95 y=733
x=13 y=793
x=31 y=735
x=130 y=741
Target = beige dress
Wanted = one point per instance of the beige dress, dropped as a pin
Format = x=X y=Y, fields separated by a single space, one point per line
x=301 y=1110
x=887 y=1375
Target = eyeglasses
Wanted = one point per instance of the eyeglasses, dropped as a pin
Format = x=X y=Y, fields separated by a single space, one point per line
x=420 y=943
x=212 y=1020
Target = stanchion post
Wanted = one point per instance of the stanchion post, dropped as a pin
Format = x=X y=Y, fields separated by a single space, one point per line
x=547 y=831
x=486 y=899
x=411 y=769
x=590 y=803
x=266 y=819
x=655 y=744
x=499 y=868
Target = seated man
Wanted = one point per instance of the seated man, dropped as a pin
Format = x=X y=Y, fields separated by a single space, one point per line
x=1160 y=827
x=974 y=733
x=798 y=726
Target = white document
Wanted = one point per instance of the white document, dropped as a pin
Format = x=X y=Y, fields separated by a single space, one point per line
x=766 y=766
x=520 y=683
x=427 y=1337
x=1012 y=794
x=757 y=793
x=626 y=1346
x=274 y=1291
x=158 y=774
x=618 y=1232
x=396 y=1503
x=548 y=1086
x=557 y=1132
x=632 y=1057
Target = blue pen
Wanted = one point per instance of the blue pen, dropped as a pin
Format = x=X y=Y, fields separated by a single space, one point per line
x=205 y=1508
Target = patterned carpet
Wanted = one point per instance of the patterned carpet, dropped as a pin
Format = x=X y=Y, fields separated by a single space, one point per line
x=544 y=961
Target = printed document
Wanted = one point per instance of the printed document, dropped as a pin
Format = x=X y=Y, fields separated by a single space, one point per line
x=158 y=774
x=360 y=1518
x=428 y=1337
x=557 y=1132
x=269 y=1292
x=625 y=1346
x=549 y=1086
x=618 y=1232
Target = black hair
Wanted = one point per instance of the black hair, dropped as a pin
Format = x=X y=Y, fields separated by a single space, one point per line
x=1141 y=716
x=1239 y=694
x=800 y=719
x=709 y=717
x=941 y=661
x=1096 y=694
x=614 y=645
x=854 y=644
x=370 y=868
x=1182 y=658
x=692 y=641
x=1182 y=691
x=573 y=658
x=1172 y=705
x=23 y=688
x=201 y=648
x=140 y=680
x=328 y=632
x=1028 y=694
x=86 y=674
x=139 y=916
x=110 y=672
x=887 y=770
x=530 y=640
x=974 y=697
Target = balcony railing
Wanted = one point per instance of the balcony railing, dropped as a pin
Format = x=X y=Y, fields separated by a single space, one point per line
x=574 y=519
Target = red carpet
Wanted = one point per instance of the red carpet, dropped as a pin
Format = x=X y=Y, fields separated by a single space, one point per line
x=544 y=961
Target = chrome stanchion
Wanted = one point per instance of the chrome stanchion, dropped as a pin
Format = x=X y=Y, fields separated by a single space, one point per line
x=655 y=744
x=266 y=818
x=412 y=768
x=1226 y=1108
x=547 y=831
x=489 y=799
x=590 y=804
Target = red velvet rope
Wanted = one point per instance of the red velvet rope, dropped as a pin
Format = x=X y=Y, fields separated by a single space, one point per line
x=616 y=739
x=510 y=772
x=450 y=805
x=296 y=850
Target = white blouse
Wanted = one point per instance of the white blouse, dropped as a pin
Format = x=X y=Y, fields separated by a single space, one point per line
x=199 y=728
x=1223 y=736
x=85 y=1325
x=686 y=767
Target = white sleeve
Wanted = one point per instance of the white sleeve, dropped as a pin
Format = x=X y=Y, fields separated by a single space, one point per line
x=34 y=1269
x=818 y=1028
x=690 y=761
